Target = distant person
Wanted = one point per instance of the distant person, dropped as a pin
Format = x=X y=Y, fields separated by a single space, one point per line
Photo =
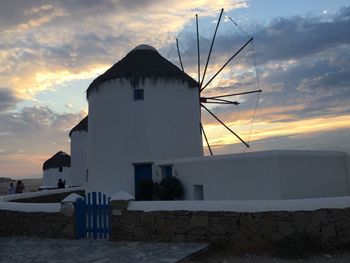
x=19 y=187
x=11 y=190
x=61 y=184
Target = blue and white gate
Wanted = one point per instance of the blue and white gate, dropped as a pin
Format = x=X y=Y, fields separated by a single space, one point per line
x=93 y=216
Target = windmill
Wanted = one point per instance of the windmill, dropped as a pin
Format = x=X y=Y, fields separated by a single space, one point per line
x=222 y=99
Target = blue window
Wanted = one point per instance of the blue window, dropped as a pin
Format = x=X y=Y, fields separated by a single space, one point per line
x=138 y=94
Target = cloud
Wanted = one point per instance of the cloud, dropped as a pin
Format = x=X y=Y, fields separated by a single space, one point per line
x=331 y=83
x=8 y=99
x=302 y=65
x=31 y=135
x=68 y=40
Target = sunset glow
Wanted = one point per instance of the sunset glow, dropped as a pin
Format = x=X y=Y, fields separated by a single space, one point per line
x=50 y=53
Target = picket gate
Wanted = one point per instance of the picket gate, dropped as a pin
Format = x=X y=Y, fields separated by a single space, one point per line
x=93 y=216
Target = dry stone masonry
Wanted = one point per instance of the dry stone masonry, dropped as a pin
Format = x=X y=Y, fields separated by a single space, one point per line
x=327 y=227
x=53 y=225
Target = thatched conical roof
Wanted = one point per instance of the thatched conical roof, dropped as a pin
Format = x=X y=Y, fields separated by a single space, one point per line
x=140 y=63
x=81 y=126
x=60 y=159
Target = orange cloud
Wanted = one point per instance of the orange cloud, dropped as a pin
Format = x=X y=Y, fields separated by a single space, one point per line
x=267 y=129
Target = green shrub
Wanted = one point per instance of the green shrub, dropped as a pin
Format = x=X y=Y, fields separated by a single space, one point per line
x=145 y=190
x=170 y=188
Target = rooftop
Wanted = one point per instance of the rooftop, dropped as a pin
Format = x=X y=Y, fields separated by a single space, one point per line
x=140 y=63
x=60 y=159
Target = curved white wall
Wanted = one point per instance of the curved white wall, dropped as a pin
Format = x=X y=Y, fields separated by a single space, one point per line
x=265 y=175
x=52 y=175
x=123 y=131
x=78 y=157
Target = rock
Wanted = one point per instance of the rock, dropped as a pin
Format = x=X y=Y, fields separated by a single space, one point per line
x=300 y=220
x=217 y=229
x=328 y=232
x=67 y=209
x=128 y=219
x=178 y=238
x=320 y=217
x=199 y=221
x=247 y=224
x=146 y=219
x=139 y=234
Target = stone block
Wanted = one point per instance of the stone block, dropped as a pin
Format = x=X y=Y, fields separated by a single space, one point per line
x=178 y=238
x=180 y=223
x=300 y=220
x=128 y=219
x=177 y=230
x=139 y=234
x=268 y=224
x=285 y=228
x=247 y=224
x=328 y=232
x=146 y=219
x=343 y=230
x=313 y=228
x=319 y=217
x=164 y=232
x=199 y=221
x=199 y=231
x=67 y=209
x=216 y=229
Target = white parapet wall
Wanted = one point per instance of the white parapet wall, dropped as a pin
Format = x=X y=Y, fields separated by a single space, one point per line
x=7 y=198
x=246 y=206
x=267 y=175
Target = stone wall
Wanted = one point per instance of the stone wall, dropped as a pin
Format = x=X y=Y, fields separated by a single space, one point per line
x=53 y=225
x=51 y=198
x=327 y=227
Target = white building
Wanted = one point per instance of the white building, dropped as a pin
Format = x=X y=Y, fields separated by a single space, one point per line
x=55 y=168
x=144 y=120
x=78 y=146
x=266 y=175
x=142 y=109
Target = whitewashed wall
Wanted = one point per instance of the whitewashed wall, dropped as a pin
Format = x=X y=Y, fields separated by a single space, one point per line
x=265 y=175
x=78 y=157
x=52 y=175
x=123 y=131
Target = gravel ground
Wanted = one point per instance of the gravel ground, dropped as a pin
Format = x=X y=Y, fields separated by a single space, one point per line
x=217 y=257
x=44 y=250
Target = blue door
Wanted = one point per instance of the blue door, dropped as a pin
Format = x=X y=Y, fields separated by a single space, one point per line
x=143 y=173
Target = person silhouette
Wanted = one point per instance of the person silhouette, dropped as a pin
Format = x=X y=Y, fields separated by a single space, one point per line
x=11 y=190
x=19 y=187
x=60 y=184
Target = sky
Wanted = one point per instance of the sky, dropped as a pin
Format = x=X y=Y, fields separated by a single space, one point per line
x=50 y=51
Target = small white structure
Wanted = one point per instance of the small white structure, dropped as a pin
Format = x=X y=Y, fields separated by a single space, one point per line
x=55 y=168
x=142 y=109
x=78 y=141
x=269 y=175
